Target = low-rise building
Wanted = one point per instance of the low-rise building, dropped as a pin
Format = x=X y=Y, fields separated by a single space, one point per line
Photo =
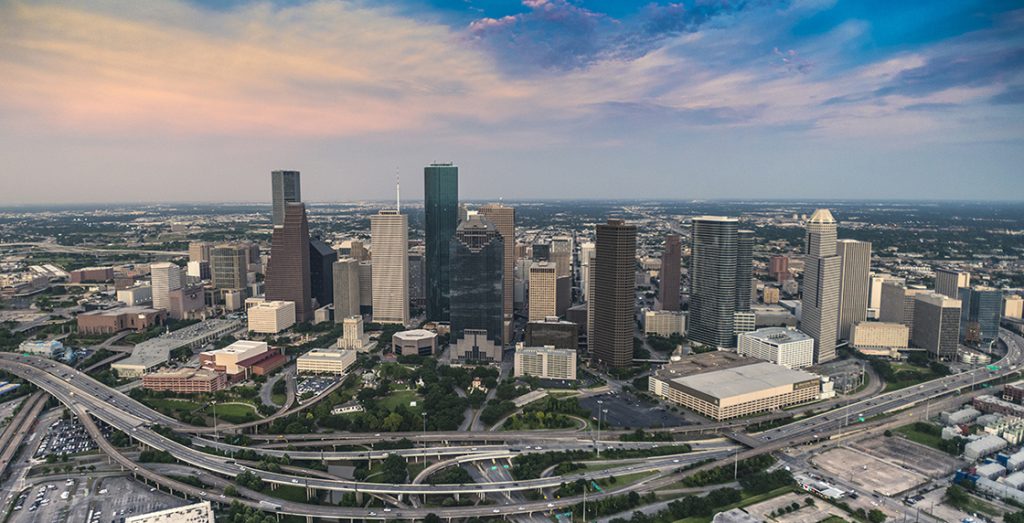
x=112 y=321
x=545 y=362
x=47 y=348
x=137 y=295
x=771 y=295
x=185 y=380
x=474 y=345
x=552 y=331
x=1013 y=306
x=752 y=387
x=664 y=323
x=326 y=361
x=187 y=303
x=781 y=346
x=270 y=317
x=352 y=335
x=197 y=513
x=154 y=353
x=243 y=359
x=414 y=342
x=92 y=275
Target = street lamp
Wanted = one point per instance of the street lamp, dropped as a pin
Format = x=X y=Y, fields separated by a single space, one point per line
x=597 y=444
x=424 y=414
x=216 y=437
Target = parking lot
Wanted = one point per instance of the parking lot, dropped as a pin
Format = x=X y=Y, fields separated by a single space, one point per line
x=314 y=385
x=627 y=411
x=99 y=500
x=819 y=511
x=906 y=453
x=66 y=436
x=871 y=473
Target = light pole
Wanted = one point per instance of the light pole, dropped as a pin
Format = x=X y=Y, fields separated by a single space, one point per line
x=216 y=437
x=424 y=414
x=597 y=444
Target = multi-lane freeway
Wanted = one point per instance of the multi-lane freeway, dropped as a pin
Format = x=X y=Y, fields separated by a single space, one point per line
x=89 y=397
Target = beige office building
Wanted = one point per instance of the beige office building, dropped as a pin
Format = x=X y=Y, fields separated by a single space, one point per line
x=166 y=277
x=390 y=275
x=948 y=282
x=854 y=284
x=227 y=359
x=543 y=290
x=898 y=303
x=872 y=337
x=739 y=391
x=781 y=346
x=269 y=317
x=326 y=361
x=352 y=336
x=771 y=295
x=1013 y=306
x=664 y=323
x=545 y=362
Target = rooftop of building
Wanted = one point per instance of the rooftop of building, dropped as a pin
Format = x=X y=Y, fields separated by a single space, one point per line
x=706 y=362
x=327 y=353
x=239 y=347
x=777 y=335
x=822 y=216
x=117 y=311
x=711 y=218
x=156 y=351
x=939 y=300
x=746 y=379
x=546 y=348
x=197 y=513
x=415 y=334
x=186 y=373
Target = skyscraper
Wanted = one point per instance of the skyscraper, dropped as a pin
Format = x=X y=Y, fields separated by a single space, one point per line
x=288 y=269
x=586 y=260
x=543 y=290
x=504 y=218
x=389 y=231
x=346 y=288
x=949 y=282
x=614 y=293
x=284 y=187
x=714 y=260
x=855 y=277
x=366 y=286
x=897 y=304
x=670 y=271
x=778 y=268
x=229 y=266
x=822 y=273
x=199 y=251
x=417 y=278
x=561 y=254
x=477 y=279
x=441 y=214
x=321 y=271
x=936 y=324
x=166 y=277
x=980 y=312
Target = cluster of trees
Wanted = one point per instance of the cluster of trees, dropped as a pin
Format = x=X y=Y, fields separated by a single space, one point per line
x=239 y=513
x=761 y=482
x=495 y=410
x=394 y=470
x=954 y=446
x=530 y=466
x=792 y=507
x=928 y=370
x=614 y=504
x=250 y=481
x=726 y=473
x=450 y=476
x=663 y=344
x=539 y=419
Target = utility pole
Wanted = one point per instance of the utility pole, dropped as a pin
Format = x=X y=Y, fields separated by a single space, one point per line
x=424 y=414
x=216 y=437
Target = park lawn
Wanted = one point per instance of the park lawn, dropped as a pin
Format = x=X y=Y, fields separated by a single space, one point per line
x=278 y=399
x=294 y=493
x=235 y=412
x=919 y=437
x=746 y=501
x=400 y=397
x=625 y=479
x=975 y=504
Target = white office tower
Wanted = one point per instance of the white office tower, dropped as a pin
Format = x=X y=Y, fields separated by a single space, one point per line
x=822 y=273
x=949 y=282
x=587 y=251
x=853 y=287
x=166 y=277
x=389 y=232
x=543 y=290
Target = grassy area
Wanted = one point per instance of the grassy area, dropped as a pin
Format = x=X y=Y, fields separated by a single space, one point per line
x=592 y=467
x=916 y=436
x=278 y=399
x=235 y=412
x=400 y=397
x=976 y=505
x=834 y=519
x=294 y=493
x=625 y=479
x=746 y=501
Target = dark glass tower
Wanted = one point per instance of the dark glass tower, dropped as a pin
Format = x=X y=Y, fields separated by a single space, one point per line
x=670 y=270
x=477 y=284
x=321 y=271
x=981 y=309
x=285 y=189
x=288 y=271
x=713 y=271
x=441 y=215
x=614 y=293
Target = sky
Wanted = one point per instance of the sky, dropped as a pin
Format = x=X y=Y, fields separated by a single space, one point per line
x=173 y=101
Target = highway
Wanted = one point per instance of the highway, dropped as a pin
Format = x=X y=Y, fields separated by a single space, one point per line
x=86 y=396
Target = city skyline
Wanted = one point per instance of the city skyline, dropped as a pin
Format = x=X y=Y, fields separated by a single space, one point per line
x=693 y=101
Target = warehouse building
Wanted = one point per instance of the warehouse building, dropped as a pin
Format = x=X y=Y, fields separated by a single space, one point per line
x=737 y=391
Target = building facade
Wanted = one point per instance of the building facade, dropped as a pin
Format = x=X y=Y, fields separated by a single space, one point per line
x=415 y=342
x=875 y=335
x=504 y=218
x=664 y=323
x=668 y=289
x=390 y=233
x=854 y=282
x=325 y=361
x=441 y=218
x=166 y=277
x=937 y=325
x=948 y=282
x=822 y=280
x=321 y=272
x=543 y=291
x=229 y=266
x=285 y=188
x=287 y=276
x=545 y=362
x=270 y=317
x=477 y=279
x=787 y=347
x=346 y=288
x=713 y=261
x=614 y=298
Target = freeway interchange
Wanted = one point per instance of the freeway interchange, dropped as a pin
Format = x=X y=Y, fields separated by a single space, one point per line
x=87 y=397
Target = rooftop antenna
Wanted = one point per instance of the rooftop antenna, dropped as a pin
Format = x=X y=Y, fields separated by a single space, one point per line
x=398 y=193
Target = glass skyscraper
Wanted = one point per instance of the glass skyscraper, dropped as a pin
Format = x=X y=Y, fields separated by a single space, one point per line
x=441 y=217
x=477 y=279
x=981 y=308
x=713 y=272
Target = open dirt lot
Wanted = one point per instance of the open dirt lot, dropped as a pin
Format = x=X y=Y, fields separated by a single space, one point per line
x=926 y=460
x=872 y=473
